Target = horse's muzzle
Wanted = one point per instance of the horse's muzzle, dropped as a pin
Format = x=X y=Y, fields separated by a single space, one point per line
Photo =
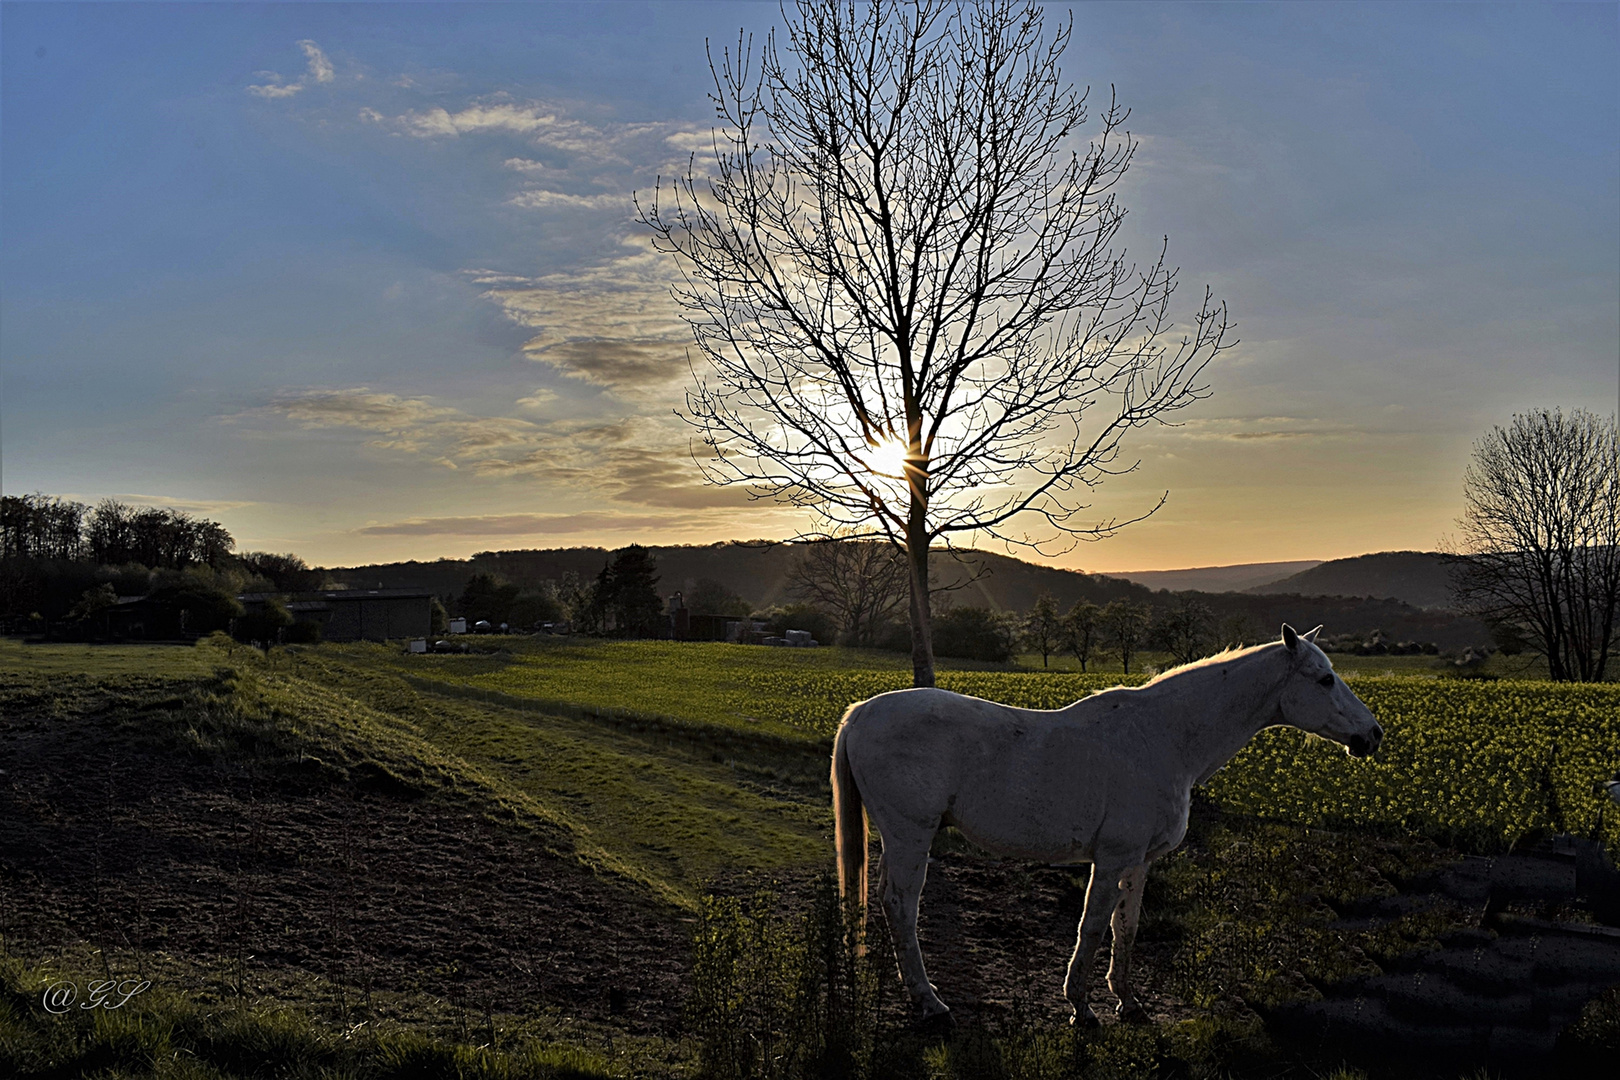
x=1361 y=746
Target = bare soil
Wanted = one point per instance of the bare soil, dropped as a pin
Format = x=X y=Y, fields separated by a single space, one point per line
x=163 y=853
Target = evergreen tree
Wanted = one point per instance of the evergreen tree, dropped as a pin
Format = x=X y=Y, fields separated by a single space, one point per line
x=627 y=593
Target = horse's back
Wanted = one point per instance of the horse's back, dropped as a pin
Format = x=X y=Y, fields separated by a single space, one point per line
x=1014 y=780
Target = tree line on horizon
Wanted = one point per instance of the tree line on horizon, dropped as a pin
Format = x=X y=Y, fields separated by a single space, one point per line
x=63 y=562
x=853 y=593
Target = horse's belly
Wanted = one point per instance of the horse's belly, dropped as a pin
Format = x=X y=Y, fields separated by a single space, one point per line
x=1061 y=828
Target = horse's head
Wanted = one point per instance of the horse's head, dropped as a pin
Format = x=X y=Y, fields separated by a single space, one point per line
x=1317 y=700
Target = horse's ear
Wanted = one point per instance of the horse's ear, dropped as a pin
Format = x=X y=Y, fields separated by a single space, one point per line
x=1290 y=637
x=1310 y=635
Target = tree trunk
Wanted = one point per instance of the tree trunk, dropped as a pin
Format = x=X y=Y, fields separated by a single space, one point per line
x=922 y=622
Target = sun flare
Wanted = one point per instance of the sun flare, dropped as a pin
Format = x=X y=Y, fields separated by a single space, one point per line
x=887 y=458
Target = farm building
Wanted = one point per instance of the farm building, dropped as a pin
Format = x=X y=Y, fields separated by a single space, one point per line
x=357 y=614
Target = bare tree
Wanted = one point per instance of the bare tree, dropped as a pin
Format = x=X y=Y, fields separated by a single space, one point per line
x=1184 y=628
x=1238 y=630
x=862 y=583
x=1043 y=628
x=1082 y=630
x=1125 y=625
x=902 y=280
x=1540 y=544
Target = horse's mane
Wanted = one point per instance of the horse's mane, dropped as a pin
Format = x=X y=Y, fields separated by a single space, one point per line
x=1221 y=657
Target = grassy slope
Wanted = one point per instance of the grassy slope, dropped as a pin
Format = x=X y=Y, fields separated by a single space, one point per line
x=667 y=814
x=671 y=814
x=233 y=707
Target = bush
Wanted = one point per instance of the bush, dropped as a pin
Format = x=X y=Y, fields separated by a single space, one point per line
x=269 y=624
x=534 y=607
x=205 y=605
x=304 y=632
x=973 y=633
x=709 y=597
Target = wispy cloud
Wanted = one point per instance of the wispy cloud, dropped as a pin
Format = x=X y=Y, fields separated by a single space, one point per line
x=612 y=325
x=605 y=317
x=1273 y=435
x=540 y=198
x=318 y=69
x=358 y=407
x=1256 y=428
x=542 y=124
x=692 y=142
x=539 y=524
x=637 y=460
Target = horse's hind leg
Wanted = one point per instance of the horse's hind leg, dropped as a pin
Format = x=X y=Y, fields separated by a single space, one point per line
x=901 y=876
x=1127 y=915
x=1101 y=896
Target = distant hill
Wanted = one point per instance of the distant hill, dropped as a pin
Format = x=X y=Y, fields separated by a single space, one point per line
x=1215 y=579
x=1419 y=578
x=758 y=572
x=755 y=570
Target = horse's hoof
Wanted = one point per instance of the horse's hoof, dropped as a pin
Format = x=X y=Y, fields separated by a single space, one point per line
x=1085 y=1018
x=940 y=1023
x=1132 y=1014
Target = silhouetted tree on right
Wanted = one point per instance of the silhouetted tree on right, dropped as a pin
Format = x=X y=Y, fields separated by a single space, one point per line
x=1540 y=545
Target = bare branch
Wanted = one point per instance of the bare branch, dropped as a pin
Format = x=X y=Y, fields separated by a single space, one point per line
x=898 y=241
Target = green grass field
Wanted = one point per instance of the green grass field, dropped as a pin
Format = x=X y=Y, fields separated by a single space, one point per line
x=1471 y=761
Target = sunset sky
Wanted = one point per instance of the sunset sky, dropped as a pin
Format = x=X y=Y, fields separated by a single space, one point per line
x=363 y=281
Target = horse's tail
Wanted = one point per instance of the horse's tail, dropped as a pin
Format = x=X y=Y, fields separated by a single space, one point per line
x=849 y=818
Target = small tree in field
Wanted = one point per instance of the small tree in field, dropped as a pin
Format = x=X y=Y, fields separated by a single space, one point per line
x=901 y=277
x=1540 y=552
x=1043 y=628
x=863 y=583
x=1184 y=629
x=1126 y=626
x=1082 y=630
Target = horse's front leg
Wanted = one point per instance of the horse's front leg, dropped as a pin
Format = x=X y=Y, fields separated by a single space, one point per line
x=1127 y=916
x=1101 y=896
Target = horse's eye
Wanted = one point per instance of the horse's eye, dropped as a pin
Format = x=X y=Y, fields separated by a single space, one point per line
x=1326 y=680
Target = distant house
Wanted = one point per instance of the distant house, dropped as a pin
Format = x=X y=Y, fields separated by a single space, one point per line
x=356 y=614
x=140 y=617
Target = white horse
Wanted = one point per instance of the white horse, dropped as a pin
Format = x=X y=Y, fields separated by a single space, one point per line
x=1107 y=780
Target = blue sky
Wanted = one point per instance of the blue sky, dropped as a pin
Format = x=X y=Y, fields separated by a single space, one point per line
x=362 y=281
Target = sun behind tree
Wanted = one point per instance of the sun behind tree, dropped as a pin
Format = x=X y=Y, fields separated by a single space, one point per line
x=898 y=246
